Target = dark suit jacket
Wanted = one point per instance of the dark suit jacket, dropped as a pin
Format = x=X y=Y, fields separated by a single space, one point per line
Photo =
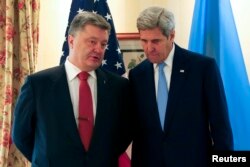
x=196 y=119
x=45 y=130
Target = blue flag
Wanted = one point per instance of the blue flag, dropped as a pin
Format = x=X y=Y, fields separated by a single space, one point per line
x=113 y=58
x=214 y=34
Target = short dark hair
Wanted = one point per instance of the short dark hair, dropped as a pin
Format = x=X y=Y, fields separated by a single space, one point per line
x=87 y=18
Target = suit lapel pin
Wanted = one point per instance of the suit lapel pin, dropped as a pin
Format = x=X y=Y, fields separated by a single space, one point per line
x=182 y=71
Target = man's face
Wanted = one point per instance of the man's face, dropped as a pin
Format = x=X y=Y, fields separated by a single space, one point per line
x=87 y=47
x=155 y=45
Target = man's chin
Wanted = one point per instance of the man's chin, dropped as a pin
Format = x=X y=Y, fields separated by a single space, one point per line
x=94 y=65
x=154 y=61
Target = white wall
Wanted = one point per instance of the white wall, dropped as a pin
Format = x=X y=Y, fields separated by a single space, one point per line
x=53 y=21
x=241 y=16
x=54 y=17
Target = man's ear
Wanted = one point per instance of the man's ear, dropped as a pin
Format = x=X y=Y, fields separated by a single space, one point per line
x=70 y=41
x=172 y=35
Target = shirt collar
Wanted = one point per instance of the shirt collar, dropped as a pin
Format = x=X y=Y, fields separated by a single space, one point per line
x=169 y=60
x=72 y=71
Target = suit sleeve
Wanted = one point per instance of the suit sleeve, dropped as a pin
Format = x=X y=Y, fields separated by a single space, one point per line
x=217 y=109
x=23 y=125
x=127 y=119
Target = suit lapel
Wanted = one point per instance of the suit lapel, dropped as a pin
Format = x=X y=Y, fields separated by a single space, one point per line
x=147 y=78
x=60 y=90
x=179 y=74
x=103 y=89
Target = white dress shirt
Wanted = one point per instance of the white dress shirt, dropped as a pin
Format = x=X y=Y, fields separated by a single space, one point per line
x=72 y=71
x=167 y=70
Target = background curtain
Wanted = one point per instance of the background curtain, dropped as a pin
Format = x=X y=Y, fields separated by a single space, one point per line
x=19 y=20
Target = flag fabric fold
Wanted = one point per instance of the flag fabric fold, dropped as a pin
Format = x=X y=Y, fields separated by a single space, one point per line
x=214 y=34
x=113 y=57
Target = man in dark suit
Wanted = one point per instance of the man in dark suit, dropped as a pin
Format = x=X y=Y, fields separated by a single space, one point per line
x=46 y=118
x=194 y=119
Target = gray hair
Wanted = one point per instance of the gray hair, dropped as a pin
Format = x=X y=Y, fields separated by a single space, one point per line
x=88 y=18
x=153 y=17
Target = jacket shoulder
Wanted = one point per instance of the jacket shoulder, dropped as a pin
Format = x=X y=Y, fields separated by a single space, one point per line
x=111 y=76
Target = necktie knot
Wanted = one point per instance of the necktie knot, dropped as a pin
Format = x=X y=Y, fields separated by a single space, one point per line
x=161 y=66
x=83 y=75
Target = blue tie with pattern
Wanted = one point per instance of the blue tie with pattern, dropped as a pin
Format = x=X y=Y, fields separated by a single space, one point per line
x=162 y=94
